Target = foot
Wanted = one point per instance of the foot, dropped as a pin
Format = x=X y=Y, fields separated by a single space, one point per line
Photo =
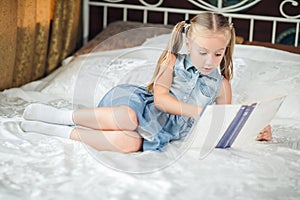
x=49 y=114
x=46 y=129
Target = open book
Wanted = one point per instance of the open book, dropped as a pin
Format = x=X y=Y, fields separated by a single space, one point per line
x=223 y=126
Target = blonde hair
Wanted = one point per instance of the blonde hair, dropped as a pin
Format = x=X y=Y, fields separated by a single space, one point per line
x=203 y=23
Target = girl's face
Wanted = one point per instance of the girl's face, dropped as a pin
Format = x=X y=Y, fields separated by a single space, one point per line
x=206 y=52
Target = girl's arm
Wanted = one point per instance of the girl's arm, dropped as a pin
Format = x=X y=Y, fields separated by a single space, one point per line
x=225 y=93
x=162 y=98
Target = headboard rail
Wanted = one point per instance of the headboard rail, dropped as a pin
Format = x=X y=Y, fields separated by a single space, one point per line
x=203 y=6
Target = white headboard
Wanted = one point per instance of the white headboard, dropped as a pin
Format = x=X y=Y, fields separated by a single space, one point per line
x=229 y=11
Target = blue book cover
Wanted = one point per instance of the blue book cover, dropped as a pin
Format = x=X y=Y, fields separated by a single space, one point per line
x=236 y=125
x=238 y=128
x=231 y=127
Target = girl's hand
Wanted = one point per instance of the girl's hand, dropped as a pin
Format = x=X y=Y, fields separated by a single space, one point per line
x=265 y=134
x=196 y=112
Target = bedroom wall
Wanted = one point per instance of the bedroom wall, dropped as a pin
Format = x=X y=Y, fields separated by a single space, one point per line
x=242 y=26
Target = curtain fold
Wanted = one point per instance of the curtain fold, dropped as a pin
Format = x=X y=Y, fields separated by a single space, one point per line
x=65 y=31
x=25 y=42
x=8 y=41
x=35 y=36
x=43 y=16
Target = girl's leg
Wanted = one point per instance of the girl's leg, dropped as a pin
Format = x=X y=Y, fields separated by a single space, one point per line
x=118 y=141
x=107 y=118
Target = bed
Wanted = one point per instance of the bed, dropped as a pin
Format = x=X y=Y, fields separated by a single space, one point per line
x=35 y=166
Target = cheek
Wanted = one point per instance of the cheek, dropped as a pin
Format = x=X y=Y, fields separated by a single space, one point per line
x=218 y=60
x=198 y=61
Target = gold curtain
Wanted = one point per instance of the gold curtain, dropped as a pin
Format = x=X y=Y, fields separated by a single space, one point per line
x=35 y=36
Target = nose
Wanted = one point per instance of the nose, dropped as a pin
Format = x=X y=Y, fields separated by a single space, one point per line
x=210 y=60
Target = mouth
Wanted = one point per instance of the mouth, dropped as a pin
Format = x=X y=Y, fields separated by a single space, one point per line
x=207 y=68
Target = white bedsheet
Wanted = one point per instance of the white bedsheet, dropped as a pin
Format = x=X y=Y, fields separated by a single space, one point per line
x=34 y=166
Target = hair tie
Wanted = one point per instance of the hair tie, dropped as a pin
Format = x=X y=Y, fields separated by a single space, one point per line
x=187 y=24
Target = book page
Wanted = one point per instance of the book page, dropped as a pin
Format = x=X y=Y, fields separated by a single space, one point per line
x=211 y=125
x=259 y=119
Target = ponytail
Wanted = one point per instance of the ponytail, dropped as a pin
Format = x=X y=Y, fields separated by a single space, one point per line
x=174 y=46
x=226 y=65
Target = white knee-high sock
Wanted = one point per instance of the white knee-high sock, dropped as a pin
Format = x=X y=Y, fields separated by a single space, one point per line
x=47 y=129
x=49 y=114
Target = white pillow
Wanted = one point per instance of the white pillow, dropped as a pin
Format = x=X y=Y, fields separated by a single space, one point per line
x=161 y=42
x=87 y=78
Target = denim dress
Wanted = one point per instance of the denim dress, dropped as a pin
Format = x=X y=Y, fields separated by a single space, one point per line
x=159 y=128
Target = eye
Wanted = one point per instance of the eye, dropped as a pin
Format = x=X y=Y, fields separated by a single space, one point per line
x=219 y=54
x=202 y=53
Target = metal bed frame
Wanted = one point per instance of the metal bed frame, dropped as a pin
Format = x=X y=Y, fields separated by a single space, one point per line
x=228 y=11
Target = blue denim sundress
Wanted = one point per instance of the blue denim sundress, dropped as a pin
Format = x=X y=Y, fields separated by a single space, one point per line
x=159 y=128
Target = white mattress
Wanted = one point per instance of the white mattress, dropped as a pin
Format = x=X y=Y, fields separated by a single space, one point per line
x=34 y=166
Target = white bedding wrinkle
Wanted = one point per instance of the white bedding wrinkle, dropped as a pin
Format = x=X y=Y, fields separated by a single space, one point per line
x=34 y=166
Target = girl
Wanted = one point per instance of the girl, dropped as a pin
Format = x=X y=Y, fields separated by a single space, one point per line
x=131 y=118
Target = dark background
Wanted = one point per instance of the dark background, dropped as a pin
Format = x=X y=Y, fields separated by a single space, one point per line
x=262 y=29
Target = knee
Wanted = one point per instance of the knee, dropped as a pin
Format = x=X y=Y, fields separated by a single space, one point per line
x=132 y=117
x=133 y=146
